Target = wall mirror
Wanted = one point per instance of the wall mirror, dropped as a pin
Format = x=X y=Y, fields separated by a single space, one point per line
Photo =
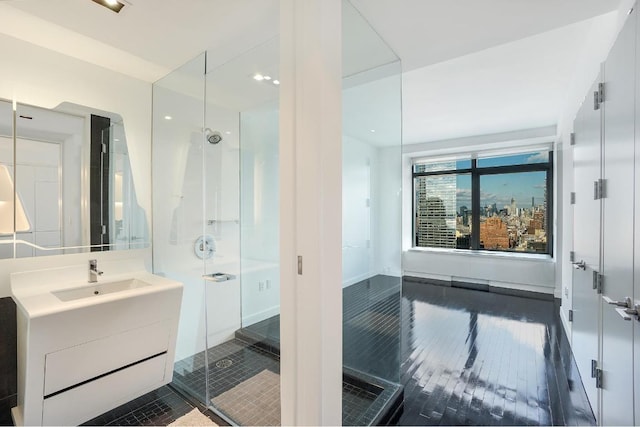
x=65 y=182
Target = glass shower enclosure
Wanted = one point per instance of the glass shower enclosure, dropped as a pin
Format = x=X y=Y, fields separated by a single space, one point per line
x=215 y=226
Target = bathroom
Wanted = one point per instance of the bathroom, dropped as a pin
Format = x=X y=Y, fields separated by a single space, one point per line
x=192 y=194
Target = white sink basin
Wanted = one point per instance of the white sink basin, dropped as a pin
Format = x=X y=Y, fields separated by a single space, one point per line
x=98 y=289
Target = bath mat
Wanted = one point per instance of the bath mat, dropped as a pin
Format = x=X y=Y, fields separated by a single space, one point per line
x=253 y=402
x=193 y=418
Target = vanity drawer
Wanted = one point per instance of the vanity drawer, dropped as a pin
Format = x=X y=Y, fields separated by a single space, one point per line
x=89 y=400
x=74 y=365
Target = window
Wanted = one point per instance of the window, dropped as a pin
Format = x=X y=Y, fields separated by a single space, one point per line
x=493 y=203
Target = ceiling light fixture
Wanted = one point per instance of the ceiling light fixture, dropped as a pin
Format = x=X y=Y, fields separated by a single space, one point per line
x=113 y=5
x=276 y=82
x=373 y=131
x=168 y=117
x=258 y=77
x=267 y=78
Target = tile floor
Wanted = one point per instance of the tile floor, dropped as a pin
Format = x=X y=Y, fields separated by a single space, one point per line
x=468 y=358
x=159 y=408
x=235 y=362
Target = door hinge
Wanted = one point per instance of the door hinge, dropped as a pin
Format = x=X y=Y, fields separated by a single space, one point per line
x=104 y=229
x=598 y=378
x=598 y=96
x=300 y=265
x=570 y=315
x=104 y=148
x=572 y=256
x=599 y=189
x=597 y=282
x=572 y=141
x=594 y=368
x=573 y=198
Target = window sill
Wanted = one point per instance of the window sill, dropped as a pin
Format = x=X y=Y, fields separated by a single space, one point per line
x=486 y=254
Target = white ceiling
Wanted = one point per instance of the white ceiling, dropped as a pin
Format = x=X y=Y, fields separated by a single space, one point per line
x=471 y=66
x=426 y=32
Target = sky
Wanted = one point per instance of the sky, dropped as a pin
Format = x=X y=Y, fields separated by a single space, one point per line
x=499 y=189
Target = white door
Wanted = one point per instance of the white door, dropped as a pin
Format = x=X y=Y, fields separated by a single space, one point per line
x=618 y=216
x=587 y=158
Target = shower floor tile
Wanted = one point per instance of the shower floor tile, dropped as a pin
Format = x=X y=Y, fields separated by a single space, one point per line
x=160 y=407
x=234 y=362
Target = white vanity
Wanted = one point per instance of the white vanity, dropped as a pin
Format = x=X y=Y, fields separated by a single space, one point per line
x=85 y=348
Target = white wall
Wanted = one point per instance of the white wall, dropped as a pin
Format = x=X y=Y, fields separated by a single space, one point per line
x=371 y=210
x=196 y=193
x=37 y=76
x=359 y=213
x=260 y=211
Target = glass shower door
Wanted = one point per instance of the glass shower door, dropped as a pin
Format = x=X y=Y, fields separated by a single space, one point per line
x=371 y=223
x=241 y=198
x=178 y=222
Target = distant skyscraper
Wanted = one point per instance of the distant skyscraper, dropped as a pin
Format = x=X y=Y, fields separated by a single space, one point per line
x=436 y=211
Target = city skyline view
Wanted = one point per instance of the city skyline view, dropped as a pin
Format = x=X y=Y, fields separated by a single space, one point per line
x=501 y=188
x=513 y=204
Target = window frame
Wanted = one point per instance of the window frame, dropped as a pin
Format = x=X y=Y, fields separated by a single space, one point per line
x=476 y=172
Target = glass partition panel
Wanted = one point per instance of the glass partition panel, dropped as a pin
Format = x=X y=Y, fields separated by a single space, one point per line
x=127 y=222
x=242 y=114
x=6 y=180
x=179 y=223
x=371 y=212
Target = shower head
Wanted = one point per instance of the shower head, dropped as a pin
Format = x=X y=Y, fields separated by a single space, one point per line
x=213 y=136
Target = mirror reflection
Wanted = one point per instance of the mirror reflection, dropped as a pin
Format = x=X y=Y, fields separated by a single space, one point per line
x=68 y=171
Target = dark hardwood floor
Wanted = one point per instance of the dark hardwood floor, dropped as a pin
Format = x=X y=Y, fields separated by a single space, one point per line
x=480 y=358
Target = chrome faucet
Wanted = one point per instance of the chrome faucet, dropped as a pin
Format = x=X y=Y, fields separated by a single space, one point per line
x=93 y=271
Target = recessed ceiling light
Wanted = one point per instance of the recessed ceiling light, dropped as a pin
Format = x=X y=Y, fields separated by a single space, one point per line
x=258 y=77
x=276 y=82
x=373 y=131
x=267 y=78
x=228 y=132
x=113 y=5
x=116 y=139
x=168 y=117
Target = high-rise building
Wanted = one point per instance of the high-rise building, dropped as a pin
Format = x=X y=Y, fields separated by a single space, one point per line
x=436 y=212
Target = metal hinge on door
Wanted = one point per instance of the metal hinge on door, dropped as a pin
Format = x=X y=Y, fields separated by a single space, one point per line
x=573 y=198
x=572 y=141
x=570 y=315
x=598 y=96
x=598 y=378
x=572 y=256
x=104 y=147
x=599 y=189
x=597 y=282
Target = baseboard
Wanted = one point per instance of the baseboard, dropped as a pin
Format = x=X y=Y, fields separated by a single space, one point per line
x=357 y=279
x=482 y=287
x=427 y=281
x=565 y=324
x=260 y=316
